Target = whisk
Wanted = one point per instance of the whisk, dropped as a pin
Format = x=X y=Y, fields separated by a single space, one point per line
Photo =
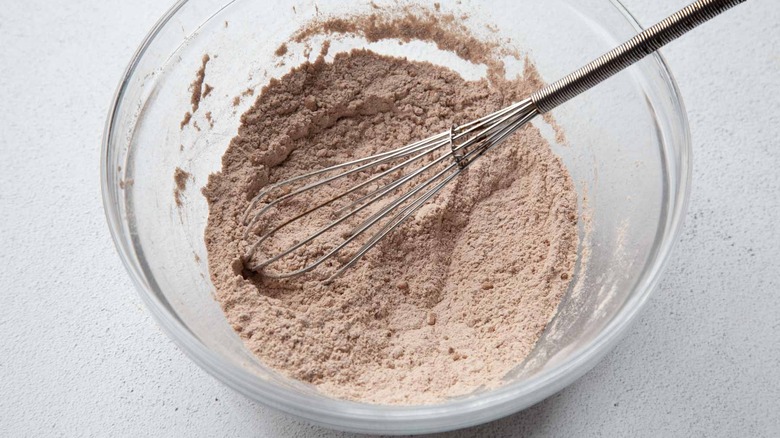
x=387 y=188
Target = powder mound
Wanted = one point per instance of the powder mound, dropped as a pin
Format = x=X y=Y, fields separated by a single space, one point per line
x=451 y=300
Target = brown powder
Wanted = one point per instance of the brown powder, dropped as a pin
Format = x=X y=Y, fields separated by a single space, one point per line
x=196 y=90
x=180 y=178
x=246 y=93
x=281 y=50
x=414 y=22
x=207 y=89
x=197 y=85
x=450 y=301
x=560 y=136
x=442 y=29
x=325 y=48
x=186 y=120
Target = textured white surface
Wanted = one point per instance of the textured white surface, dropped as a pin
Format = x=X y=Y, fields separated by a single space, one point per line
x=79 y=355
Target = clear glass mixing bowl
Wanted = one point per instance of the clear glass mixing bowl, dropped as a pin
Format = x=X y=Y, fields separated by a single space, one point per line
x=628 y=153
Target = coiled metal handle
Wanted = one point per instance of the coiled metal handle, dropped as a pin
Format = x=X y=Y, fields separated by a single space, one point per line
x=629 y=52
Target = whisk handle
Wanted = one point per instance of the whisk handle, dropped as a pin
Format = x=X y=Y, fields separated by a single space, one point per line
x=629 y=52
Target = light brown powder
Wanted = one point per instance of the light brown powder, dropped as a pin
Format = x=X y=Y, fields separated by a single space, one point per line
x=197 y=85
x=196 y=90
x=207 y=89
x=413 y=22
x=180 y=178
x=246 y=93
x=325 y=48
x=442 y=29
x=450 y=301
x=186 y=120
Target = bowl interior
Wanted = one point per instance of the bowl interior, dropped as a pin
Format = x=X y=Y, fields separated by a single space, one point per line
x=627 y=152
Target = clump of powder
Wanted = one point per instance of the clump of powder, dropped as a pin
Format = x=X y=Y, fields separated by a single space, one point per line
x=196 y=90
x=450 y=301
x=246 y=93
x=207 y=89
x=180 y=178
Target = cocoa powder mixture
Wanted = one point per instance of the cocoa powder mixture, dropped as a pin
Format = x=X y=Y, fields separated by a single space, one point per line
x=198 y=91
x=180 y=178
x=446 y=304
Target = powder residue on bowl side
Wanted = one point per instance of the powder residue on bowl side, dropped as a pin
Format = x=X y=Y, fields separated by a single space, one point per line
x=186 y=120
x=207 y=89
x=196 y=91
x=407 y=23
x=180 y=178
x=425 y=25
x=325 y=48
x=246 y=93
x=451 y=300
x=197 y=85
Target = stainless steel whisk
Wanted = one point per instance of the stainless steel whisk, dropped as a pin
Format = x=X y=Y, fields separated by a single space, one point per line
x=440 y=158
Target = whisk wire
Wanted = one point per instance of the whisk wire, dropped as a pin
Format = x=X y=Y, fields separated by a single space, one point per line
x=404 y=214
x=375 y=160
x=341 y=218
x=484 y=133
x=352 y=235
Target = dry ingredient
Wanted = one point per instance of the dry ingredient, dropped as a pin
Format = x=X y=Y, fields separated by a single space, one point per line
x=460 y=293
x=180 y=178
x=197 y=91
x=451 y=301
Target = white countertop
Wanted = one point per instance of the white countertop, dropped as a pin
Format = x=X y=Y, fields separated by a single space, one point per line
x=80 y=355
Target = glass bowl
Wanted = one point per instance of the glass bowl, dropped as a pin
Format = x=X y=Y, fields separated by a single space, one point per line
x=628 y=153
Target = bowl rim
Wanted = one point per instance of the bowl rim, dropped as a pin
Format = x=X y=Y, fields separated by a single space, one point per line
x=369 y=418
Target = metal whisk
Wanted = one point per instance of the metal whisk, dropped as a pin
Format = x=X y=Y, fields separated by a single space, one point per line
x=387 y=188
